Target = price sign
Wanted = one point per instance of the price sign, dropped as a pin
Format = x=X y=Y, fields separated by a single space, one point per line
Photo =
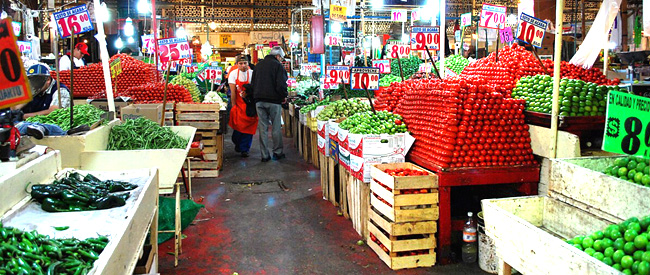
x=416 y=15
x=397 y=49
x=531 y=30
x=162 y=66
x=293 y=45
x=337 y=74
x=14 y=87
x=148 y=44
x=492 y=16
x=211 y=73
x=292 y=83
x=425 y=68
x=506 y=35
x=24 y=46
x=259 y=47
x=383 y=65
x=324 y=85
x=16 y=26
x=333 y=39
x=171 y=49
x=361 y=77
x=309 y=68
x=422 y=37
x=191 y=68
x=627 y=128
x=273 y=44
x=466 y=19
x=338 y=13
x=73 y=21
x=116 y=67
x=398 y=15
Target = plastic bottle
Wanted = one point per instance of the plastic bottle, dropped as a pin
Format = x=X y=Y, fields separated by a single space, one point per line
x=470 y=245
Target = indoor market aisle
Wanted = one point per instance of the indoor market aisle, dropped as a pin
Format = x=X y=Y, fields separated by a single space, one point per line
x=270 y=218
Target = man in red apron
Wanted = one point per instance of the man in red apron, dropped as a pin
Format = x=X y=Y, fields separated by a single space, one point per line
x=243 y=126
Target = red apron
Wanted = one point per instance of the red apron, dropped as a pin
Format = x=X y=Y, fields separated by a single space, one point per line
x=238 y=118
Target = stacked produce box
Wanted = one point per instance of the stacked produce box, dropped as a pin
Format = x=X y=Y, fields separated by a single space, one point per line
x=205 y=118
x=402 y=216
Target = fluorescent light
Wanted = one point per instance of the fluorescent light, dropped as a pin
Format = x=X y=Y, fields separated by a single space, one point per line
x=119 y=43
x=128 y=27
x=335 y=27
x=130 y=40
x=295 y=37
x=212 y=25
x=180 y=32
x=143 y=7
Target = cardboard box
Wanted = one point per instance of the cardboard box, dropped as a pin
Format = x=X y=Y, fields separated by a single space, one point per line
x=360 y=167
x=333 y=130
x=366 y=146
x=344 y=158
x=323 y=138
x=154 y=112
x=333 y=148
x=120 y=103
x=342 y=138
x=323 y=130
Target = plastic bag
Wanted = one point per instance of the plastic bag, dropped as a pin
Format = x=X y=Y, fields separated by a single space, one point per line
x=598 y=35
x=167 y=215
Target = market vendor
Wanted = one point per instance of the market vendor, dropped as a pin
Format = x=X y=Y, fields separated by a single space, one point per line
x=77 y=54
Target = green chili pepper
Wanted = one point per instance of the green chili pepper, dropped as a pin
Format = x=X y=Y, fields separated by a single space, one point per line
x=61 y=228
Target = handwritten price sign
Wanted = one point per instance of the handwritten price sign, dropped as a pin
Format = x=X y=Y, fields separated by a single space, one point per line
x=492 y=16
x=362 y=77
x=292 y=83
x=14 y=88
x=16 y=26
x=506 y=35
x=627 y=128
x=324 y=85
x=466 y=19
x=25 y=46
x=398 y=15
x=425 y=37
x=337 y=74
x=308 y=69
x=73 y=21
x=397 y=49
x=211 y=73
x=116 y=67
x=425 y=68
x=172 y=49
x=338 y=13
x=333 y=39
x=162 y=66
x=148 y=44
x=383 y=65
x=531 y=30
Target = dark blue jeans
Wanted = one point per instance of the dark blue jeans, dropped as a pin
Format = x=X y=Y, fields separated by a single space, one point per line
x=53 y=130
x=242 y=141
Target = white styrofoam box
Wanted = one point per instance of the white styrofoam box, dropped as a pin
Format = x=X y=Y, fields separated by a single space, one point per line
x=323 y=146
x=333 y=130
x=379 y=145
x=360 y=167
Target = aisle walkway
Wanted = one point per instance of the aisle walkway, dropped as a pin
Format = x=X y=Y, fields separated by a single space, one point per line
x=270 y=218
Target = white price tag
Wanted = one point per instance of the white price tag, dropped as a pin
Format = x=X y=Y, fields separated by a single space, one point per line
x=333 y=39
x=148 y=44
x=324 y=85
x=493 y=17
x=466 y=19
x=398 y=15
x=259 y=47
x=309 y=68
x=397 y=49
x=173 y=49
x=383 y=65
x=162 y=66
x=337 y=74
x=422 y=37
x=362 y=78
x=211 y=73
x=24 y=46
x=73 y=21
x=425 y=68
x=531 y=30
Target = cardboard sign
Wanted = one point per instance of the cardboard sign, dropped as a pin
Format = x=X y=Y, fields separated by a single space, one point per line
x=363 y=77
x=492 y=17
x=333 y=39
x=466 y=19
x=627 y=128
x=338 y=13
x=397 y=49
x=116 y=67
x=172 y=49
x=292 y=83
x=259 y=47
x=506 y=35
x=14 y=87
x=423 y=37
x=398 y=15
x=337 y=74
x=148 y=44
x=73 y=21
x=24 y=46
x=383 y=65
x=309 y=68
x=211 y=73
x=531 y=30
x=17 y=26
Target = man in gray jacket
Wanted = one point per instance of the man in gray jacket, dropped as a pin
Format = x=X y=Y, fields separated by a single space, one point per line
x=269 y=82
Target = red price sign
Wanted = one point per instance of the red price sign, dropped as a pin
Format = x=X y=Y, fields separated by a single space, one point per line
x=531 y=30
x=425 y=37
x=273 y=44
x=364 y=78
x=397 y=49
x=492 y=17
x=14 y=88
x=383 y=65
x=333 y=39
x=337 y=74
x=73 y=21
x=148 y=44
x=171 y=49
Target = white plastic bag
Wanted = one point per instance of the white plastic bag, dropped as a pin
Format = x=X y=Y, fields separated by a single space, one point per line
x=598 y=35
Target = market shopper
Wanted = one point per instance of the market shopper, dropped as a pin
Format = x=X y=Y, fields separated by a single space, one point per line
x=243 y=126
x=76 y=54
x=270 y=91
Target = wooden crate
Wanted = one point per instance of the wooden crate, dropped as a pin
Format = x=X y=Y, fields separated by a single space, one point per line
x=286 y=128
x=391 y=196
x=358 y=204
x=305 y=142
x=313 y=148
x=201 y=116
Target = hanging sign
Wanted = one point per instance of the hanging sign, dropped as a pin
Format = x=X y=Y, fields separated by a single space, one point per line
x=627 y=128
x=273 y=44
x=492 y=16
x=259 y=47
x=192 y=68
x=397 y=49
x=531 y=30
x=171 y=49
x=211 y=73
x=338 y=13
x=224 y=40
x=361 y=77
x=506 y=35
x=466 y=19
x=333 y=39
x=423 y=36
x=73 y=21
x=17 y=26
x=148 y=44
x=116 y=67
x=398 y=15
x=383 y=65
x=337 y=74
x=416 y=15
x=14 y=87
x=25 y=46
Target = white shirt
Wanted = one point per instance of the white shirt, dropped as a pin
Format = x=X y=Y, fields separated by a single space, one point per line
x=65 y=64
x=243 y=76
x=65 y=96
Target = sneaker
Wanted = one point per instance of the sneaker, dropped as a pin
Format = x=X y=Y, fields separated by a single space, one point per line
x=244 y=154
x=266 y=159
x=79 y=130
x=279 y=157
x=36 y=131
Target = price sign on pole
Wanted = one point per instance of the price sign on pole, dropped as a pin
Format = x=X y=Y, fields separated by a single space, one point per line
x=423 y=36
x=627 y=128
x=383 y=65
x=466 y=19
x=73 y=21
x=337 y=74
x=259 y=47
x=397 y=49
x=211 y=73
x=14 y=87
x=531 y=30
x=148 y=44
x=25 y=46
x=425 y=67
x=398 y=15
x=17 y=26
x=506 y=35
x=492 y=17
x=171 y=49
x=324 y=85
x=333 y=39
x=293 y=45
x=292 y=83
x=191 y=68
x=361 y=77
x=116 y=67
x=162 y=66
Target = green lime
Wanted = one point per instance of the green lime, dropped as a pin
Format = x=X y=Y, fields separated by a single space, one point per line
x=640 y=166
x=645 y=180
x=598 y=245
x=638 y=255
x=633 y=219
x=590 y=251
x=597 y=235
x=622 y=162
x=618 y=243
x=635 y=267
x=578 y=246
x=629 y=235
x=599 y=256
x=617 y=267
x=638 y=177
x=631 y=174
x=618 y=255
x=616 y=234
x=587 y=242
x=611 y=228
x=607 y=242
x=609 y=252
x=646 y=256
x=627 y=271
x=627 y=261
x=645 y=222
x=631 y=165
x=622 y=171
x=608 y=261
x=629 y=248
x=644 y=268
x=641 y=241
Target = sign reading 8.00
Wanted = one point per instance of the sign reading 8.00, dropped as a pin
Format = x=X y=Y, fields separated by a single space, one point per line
x=627 y=129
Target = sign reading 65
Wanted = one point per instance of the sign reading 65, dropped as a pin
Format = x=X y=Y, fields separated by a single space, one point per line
x=171 y=49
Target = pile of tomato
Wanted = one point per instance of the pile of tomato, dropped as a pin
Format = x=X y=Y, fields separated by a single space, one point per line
x=465 y=122
x=595 y=75
x=405 y=172
x=153 y=92
x=387 y=98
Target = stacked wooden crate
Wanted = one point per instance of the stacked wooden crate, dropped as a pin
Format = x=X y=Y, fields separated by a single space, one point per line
x=205 y=118
x=402 y=217
x=169 y=114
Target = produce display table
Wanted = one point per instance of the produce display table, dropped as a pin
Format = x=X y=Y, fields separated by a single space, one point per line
x=527 y=176
x=126 y=226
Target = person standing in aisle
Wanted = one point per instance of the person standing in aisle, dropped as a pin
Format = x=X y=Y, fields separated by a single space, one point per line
x=77 y=55
x=270 y=91
x=243 y=126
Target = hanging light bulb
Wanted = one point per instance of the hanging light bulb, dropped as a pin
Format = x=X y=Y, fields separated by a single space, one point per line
x=128 y=27
x=119 y=43
x=143 y=7
x=295 y=38
x=212 y=25
x=130 y=40
x=180 y=32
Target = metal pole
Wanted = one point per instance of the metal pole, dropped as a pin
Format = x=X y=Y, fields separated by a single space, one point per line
x=55 y=49
x=557 y=59
x=443 y=37
x=154 y=29
x=71 y=79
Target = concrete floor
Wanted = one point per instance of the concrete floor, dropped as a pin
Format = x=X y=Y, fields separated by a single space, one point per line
x=262 y=228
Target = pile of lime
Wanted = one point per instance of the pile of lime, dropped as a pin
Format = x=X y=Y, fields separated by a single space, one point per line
x=632 y=169
x=622 y=246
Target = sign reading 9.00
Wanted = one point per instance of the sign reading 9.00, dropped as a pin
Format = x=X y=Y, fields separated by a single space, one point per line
x=73 y=21
x=627 y=128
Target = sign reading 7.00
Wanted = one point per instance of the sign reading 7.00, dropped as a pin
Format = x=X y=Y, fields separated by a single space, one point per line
x=73 y=21
x=627 y=129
